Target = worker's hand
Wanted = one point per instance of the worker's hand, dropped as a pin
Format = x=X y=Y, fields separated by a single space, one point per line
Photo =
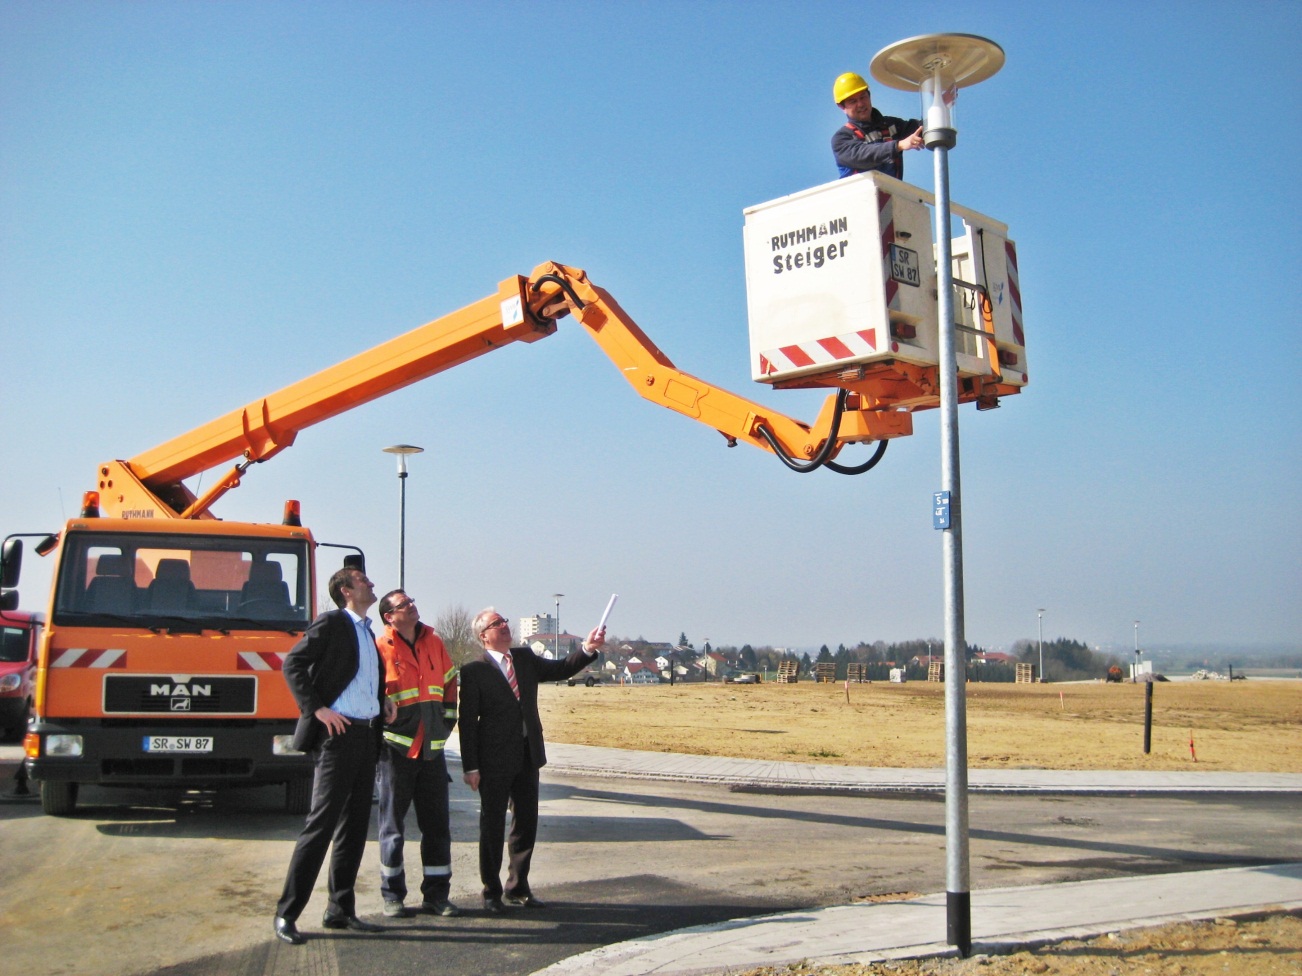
x=472 y=780
x=911 y=142
x=332 y=720
x=390 y=710
x=596 y=640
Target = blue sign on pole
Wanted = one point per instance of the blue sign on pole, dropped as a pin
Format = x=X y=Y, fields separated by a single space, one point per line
x=940 y=510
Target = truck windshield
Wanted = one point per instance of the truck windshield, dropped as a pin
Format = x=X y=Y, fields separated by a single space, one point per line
x=200 y=581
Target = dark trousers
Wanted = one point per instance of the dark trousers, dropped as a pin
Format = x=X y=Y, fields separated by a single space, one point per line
x=520 y=792
x=341 y=811
x=423 y=782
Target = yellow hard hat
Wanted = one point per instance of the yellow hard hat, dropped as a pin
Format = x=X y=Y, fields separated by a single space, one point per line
x=846 y=85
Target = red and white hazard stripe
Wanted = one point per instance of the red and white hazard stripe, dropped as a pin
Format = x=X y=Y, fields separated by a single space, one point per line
x=1014 y=293
x=819 y=352
x=88 y=657
x=886 y=221
x=260 y=661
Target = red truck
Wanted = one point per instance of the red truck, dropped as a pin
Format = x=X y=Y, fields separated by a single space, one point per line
x=20 y=635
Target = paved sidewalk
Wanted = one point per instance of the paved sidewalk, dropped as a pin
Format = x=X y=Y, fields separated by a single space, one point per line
x=1001 y=917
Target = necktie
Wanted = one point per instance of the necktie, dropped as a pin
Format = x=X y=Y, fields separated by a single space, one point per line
x=510 y=675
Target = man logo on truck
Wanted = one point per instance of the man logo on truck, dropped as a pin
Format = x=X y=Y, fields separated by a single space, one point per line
x=180 y=694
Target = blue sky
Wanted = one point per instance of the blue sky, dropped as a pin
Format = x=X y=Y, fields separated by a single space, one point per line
x=201 y=203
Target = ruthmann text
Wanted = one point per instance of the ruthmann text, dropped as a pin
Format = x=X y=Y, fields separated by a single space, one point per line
x=809 y=256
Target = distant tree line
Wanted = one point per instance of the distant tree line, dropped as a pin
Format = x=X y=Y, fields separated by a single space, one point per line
x=1064 y=659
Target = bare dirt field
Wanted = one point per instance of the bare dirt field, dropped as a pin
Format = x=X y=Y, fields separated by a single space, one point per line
x=1241 y=726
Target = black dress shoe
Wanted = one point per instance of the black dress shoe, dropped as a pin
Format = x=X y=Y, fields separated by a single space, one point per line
x=287 y=931
x=523 y=901
x=494 y=906
x=350 y=922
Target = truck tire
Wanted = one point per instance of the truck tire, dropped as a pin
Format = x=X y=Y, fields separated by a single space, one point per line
x=58 y=798
x=590 y=681
x=298 y=796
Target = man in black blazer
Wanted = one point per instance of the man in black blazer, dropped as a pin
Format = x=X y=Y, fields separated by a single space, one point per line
x=502 y=749
x=337 y=678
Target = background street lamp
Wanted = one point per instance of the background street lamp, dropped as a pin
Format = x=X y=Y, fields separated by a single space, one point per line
x=1040 y=615
x=937 y=65
x=557 y=644
x=1134 y=675
x=402 y=450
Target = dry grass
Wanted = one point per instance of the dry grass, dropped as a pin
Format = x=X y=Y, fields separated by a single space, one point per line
x=1241 y=726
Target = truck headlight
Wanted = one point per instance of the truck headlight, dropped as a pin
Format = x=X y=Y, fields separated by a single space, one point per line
x=11 y=682
x=283 y=745
x=63 y=745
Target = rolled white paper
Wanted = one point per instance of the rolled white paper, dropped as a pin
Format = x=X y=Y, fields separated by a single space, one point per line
x=609 y=606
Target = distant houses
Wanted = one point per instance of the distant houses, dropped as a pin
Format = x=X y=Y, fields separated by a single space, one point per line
x=644 y=662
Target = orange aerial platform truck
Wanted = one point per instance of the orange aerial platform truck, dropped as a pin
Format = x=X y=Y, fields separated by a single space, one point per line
x=167 y=627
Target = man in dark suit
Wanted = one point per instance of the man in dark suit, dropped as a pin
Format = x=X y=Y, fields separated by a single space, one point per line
x=336 y=676
x=502 y=749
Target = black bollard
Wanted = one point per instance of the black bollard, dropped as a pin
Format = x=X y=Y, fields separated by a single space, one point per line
x=1148 y=718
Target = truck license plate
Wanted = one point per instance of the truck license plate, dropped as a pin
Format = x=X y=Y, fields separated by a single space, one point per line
x=178 y=743
x=905 y=267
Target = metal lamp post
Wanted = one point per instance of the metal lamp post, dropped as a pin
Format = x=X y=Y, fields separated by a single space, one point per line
x=402 y=450
x=937 y=65
x=557 y=643
x=1134 y=675
x=1040 y=615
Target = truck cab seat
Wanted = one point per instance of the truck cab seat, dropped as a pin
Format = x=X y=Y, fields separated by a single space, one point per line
x=265 y=594
x=112 y=590
x=171 y=588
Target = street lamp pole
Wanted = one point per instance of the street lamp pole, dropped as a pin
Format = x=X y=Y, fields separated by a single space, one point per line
x=937 y=65
x=402 y=451
x=1134 y=675
x=557 y=642
x=1040 y=614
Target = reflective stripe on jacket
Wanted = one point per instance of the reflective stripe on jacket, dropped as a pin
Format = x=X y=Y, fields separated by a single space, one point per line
x=422 y=683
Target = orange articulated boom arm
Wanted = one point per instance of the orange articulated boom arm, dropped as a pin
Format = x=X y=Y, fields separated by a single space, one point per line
x=651 y=373
x=150 y=485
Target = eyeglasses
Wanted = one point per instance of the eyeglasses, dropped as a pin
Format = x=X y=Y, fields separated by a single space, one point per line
x=398 y=607
x=499 y=622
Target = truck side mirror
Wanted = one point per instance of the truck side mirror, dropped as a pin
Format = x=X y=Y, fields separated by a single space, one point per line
x=11 y=563
x=8 y=600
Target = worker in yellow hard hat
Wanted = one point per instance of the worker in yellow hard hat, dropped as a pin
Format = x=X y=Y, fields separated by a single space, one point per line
x=869 y=140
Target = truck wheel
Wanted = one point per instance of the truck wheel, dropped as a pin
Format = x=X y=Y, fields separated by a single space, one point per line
x=58 y=799
x=298 y=796
x=590 y=682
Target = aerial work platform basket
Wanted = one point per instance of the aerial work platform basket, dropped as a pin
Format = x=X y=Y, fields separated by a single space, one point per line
x=841 y=289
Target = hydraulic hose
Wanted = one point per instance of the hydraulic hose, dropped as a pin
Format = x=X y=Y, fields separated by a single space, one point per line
x=819 y=459
x=565 y=287
x=859 y=468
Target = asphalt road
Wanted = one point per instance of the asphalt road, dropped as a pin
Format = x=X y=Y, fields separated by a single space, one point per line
x=141 y=883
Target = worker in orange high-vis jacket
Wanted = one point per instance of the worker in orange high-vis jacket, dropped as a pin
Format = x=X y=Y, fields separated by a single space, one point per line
x=421 y=680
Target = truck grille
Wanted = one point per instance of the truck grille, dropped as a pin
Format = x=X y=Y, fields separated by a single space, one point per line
x=163 y=694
